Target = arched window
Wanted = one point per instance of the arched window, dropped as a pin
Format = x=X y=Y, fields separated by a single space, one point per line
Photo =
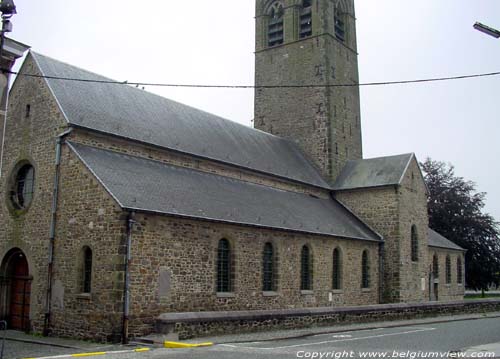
x=365 y=270
x=340 y=29
x=305 y=19
x=275 y=27
x=459 y=271
x=87 y=270
x=305 y=269
x=435 y=266
x=414 y=244
x=337 y=270
x=22 y=190
x=448 y=270
x=224 y=267
x=268 y=264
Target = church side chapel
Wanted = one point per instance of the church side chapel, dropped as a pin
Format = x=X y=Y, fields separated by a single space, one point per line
x=119 y=205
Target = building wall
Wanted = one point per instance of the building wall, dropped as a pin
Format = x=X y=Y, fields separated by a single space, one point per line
x=174 y=269
x=392 y=211
x=379 y=208
x=87 y=216
x=413 y=212
x=452 y=290
x=30 y=139
x=324 y=121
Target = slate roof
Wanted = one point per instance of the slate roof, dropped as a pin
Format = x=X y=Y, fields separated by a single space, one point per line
x=132 y=113
x=373 y=172
x=437 y=240
x=146 y=185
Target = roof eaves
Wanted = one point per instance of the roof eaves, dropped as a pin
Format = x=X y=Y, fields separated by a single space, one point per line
x=289 y=179
x=448 y=248
x=366 y=187
x=179 y=215
x=95 y=175
x=33 y=55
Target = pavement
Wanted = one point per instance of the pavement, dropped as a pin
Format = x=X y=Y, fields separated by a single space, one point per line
x=21 y=345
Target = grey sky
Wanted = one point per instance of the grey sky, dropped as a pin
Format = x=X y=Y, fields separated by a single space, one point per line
x=207 y=42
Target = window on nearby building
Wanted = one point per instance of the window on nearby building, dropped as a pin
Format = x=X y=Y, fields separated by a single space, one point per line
x=224 y=266
x=414 y=244
x=435 y=266
x=268 y=284
x=28 y=111
x=337 y=270
x=305 y=19
x=448 y=270
x=340 y=32
x=87 y=270
x=23 y=188
x=365 y=270
x=459 y=271
x=275 y=28
x=305 y=269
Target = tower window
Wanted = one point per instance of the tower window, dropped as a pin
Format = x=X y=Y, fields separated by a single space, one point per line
x=223 y=266
x=339 y=25
x=305 y=269
x=337 y=270
x=275 y=28
x=268 y=268
x=414 y=244
x=305 y=19
x=28 y=111
x=365 y=270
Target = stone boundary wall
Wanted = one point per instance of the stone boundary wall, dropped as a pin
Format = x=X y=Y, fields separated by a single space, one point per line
x=189 y=325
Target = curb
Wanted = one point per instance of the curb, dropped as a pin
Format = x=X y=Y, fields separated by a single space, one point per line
x=80 y=355
x=178 y=345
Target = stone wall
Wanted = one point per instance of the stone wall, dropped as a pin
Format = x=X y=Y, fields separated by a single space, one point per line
x=452 y=290
x=30 y=138
x=378 y=207
x=412 y=201
x=87 y=217
x=392 y=211
x=189 y=325
x=174 y=269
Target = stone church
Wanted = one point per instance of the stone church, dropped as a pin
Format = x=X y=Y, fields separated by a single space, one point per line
x=118 y=205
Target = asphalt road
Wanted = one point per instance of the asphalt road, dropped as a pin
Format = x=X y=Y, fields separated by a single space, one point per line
x=406 y=342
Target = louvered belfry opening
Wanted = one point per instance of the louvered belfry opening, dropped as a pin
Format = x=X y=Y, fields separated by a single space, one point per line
x=339 y=25
x=306 y=19
x=275 y=32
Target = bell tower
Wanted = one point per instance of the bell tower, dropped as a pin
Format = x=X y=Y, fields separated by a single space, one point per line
x=313 y=43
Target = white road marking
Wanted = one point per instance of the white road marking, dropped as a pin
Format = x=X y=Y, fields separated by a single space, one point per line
x=331 y=341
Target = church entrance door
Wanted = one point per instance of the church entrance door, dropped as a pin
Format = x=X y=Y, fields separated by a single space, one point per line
x=16 y=290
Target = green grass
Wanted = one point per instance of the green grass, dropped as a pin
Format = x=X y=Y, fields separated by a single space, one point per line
x=478 y=296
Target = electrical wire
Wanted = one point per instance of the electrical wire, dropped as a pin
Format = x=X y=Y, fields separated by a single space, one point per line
x=152 y=84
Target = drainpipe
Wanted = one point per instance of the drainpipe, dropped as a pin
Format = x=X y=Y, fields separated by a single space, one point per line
x=126 y=302
x=52 y=234
x=381 y=283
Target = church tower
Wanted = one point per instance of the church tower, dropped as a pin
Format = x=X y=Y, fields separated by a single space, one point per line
x=309 y=42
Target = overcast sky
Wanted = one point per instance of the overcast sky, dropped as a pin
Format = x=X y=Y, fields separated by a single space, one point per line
x=212 y=42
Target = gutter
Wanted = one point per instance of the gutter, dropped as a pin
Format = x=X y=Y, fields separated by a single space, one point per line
x=52 y=235
x=126 y=302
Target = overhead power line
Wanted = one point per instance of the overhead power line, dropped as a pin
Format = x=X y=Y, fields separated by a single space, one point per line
x=153 y=84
